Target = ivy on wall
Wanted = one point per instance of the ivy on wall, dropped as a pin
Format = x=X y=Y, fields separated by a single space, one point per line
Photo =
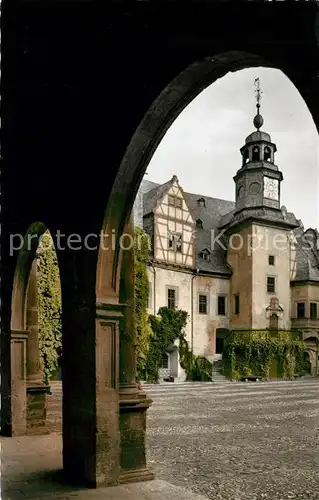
x=142 y=325
x=264 y=355
x=166 y=328
x=50 y=306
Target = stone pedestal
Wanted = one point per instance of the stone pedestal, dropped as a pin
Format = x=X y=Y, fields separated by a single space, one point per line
x=18 y=406
x=133 y=403
x=36 y=389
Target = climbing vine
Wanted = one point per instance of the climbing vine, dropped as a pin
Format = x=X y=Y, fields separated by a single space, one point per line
x=142 y=325
x=50 y=308
x=262 y=354
x=166 y=328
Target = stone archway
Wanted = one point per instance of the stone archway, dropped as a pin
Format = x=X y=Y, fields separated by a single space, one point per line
x=27 y=387
x=158 y=118
x=111 y=306
x=56 y=114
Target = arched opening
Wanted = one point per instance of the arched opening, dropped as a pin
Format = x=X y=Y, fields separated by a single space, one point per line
x=256 y=153
x=267 y=153
x=36 y=322
x=147 y=137
x=245 y=156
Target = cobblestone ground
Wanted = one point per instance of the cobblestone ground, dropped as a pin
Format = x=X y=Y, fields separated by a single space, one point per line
x=239 y=441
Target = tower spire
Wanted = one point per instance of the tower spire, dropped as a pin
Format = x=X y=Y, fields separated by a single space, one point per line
x=258 y=120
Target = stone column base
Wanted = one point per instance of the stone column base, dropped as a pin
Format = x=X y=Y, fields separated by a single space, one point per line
x=36 y=409
x=133 y=406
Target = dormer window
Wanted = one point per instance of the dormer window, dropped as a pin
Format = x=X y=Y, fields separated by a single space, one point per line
x=174 y=201
x=199 y=224
x=201 y=202
x=205 y=254
x=256 y=153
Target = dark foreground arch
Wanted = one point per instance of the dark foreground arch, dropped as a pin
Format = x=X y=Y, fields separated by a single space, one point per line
x=88 y=93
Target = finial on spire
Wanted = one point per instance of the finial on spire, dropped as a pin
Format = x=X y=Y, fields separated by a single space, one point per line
x=258 y=120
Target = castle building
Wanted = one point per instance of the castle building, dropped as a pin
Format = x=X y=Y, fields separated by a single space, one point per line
x=247 y=264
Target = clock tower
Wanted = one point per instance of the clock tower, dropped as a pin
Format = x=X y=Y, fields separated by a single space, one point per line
x=258 y=180
x=258 y=235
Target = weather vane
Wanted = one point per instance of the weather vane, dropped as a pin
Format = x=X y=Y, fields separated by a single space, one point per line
x=258 y=92
x=258 y=120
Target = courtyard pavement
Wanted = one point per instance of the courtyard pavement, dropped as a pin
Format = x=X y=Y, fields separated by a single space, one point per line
x=240 y=441
x=231 y=441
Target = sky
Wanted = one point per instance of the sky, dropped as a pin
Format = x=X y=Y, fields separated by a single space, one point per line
x=202 y=146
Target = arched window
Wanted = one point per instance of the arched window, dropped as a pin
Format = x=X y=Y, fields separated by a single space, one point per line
x=164 y=361
x=273 y=323
x=245 y=156
x=256 y=153
x=267 y=154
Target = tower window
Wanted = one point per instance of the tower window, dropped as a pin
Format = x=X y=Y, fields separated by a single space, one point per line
x=313 y=310
x=199 y=224
x=237 y=304
x=271 y=284
x=271 y=260
x=221 y=306
x=267 y=154
x=245 y=156
x=256 y=153
x=301 y=310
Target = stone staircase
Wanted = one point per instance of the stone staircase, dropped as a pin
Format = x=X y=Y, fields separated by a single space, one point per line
x=217 y=374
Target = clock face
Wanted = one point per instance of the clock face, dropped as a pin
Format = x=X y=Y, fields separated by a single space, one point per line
x=271 y=188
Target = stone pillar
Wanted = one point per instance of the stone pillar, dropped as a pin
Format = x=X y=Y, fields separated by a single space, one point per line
x=133 y=402
x=90 y=378
x=18 y=407
x=36 y=389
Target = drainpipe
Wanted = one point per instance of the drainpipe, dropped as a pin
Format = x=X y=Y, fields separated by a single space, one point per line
x=192 y=308
x=154 y=287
